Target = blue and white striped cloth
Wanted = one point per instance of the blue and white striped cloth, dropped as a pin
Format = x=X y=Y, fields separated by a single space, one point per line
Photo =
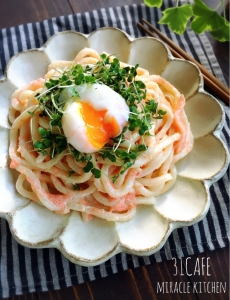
x=24 y=270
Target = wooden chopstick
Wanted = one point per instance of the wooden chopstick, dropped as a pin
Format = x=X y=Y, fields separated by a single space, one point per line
x=210 y=81
x=187 y=56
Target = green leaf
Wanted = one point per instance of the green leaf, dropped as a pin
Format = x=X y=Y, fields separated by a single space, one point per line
x=205 y=18
x=109 y=155
x=39 y=145
x=96 y=172
x=90 y=79
x=79 y=79
x=153 y=3
x=177 y=17
x=47 y=143
x=142 y=147
x=222 y=34
x=88 y=167
x=43 y=132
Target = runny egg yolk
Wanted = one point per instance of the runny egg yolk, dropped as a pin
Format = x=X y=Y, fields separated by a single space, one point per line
x=92 y=118
x=97 y=130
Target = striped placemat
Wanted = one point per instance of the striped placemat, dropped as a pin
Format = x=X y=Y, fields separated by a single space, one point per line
x=24 y=270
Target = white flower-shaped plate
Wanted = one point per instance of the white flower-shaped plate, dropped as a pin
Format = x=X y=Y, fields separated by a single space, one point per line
x=91 y=243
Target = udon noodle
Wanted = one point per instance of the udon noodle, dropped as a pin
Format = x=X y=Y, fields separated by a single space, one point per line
x=47 y=181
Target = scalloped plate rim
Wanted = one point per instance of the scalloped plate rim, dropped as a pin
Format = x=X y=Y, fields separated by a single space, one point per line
x=56 y=243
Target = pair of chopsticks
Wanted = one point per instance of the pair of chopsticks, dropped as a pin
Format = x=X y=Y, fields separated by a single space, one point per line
x=210 y=81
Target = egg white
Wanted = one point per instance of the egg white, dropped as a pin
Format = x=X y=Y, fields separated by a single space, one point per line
x=100 y=97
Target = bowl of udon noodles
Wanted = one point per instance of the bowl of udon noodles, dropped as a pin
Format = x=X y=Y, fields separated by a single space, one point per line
x=108 y=144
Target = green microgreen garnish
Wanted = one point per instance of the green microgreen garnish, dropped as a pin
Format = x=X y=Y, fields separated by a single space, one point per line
x=61 y=89
x=50 y=143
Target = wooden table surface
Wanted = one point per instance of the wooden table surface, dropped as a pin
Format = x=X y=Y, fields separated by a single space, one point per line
x=139 y=283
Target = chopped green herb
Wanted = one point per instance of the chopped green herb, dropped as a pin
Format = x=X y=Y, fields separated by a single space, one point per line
x=96 y=172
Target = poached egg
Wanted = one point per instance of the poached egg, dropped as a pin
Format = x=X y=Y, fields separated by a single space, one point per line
x=90 y=120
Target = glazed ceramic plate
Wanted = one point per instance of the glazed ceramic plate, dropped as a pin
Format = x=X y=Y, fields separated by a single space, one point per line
x=91 y=243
